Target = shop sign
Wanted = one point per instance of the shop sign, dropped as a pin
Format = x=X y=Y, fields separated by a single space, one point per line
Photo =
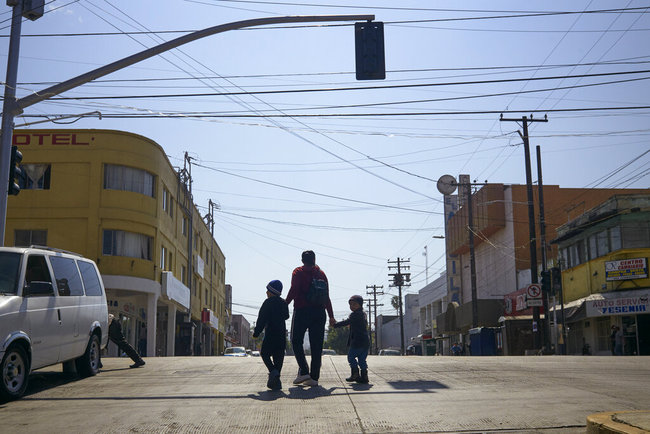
x=626 y=269
x=174 y=289
x=516 y=304
x=207 y=317
x=199 y=266
x=618 y=306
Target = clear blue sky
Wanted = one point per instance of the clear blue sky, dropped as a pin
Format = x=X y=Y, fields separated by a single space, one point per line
x=323 y=168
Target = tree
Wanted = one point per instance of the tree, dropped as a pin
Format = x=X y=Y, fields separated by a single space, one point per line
x=337 y=339
x=395 y=303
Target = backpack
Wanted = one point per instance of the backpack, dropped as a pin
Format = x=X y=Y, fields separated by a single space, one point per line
x=318 y=293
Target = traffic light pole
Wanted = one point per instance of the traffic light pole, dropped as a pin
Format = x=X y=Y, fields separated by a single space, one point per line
x=7 y=112
x=13 y=107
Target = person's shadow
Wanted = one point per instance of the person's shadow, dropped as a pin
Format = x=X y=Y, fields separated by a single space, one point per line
x=295 y=392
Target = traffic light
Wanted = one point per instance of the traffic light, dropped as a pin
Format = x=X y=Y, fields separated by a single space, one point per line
x=14 y=170
x=546 y=281
x=369 y=50
x=556 y=280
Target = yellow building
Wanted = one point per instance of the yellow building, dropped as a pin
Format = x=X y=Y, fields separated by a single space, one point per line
x=114 y=197
x=604 y=260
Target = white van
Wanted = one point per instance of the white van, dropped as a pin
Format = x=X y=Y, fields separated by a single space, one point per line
x=52 y=310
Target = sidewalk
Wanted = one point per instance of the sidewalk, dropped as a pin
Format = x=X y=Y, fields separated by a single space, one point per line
x=628 y=422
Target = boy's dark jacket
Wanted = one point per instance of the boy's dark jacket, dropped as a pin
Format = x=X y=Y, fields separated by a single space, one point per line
x=358 y=329
x=273 y=314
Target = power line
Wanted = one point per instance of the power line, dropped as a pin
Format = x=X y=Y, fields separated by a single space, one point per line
x=356 y=88
x=369 y=115
x=623 y=61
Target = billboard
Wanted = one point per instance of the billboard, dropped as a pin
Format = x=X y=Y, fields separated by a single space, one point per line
x=626 y=269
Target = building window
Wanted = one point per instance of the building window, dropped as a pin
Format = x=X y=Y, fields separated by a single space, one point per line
x=163 y=258
x=603 y=243
x=615 y=238
x=35 y=177
x=130 y=244
x=184 y=226
x=128 y=179
x=183 y=274
x=635 y=235
x=167 y=202
x=30 y=237
x=593 y=247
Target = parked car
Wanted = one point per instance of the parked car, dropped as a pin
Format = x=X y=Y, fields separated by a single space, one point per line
x=52 y=310
x=329 y=352
x=235 y=352
x=255 y=353
x=389 y=352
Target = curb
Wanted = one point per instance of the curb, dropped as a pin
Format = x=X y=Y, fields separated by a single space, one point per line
x=616 y=422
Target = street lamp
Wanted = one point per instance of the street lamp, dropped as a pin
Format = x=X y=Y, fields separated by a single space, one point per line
x=13 y=107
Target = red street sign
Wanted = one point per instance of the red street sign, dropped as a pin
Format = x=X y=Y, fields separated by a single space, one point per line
x=534 y=290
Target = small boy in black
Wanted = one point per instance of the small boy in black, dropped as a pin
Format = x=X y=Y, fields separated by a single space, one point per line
x=358 y=341
x=273 y=314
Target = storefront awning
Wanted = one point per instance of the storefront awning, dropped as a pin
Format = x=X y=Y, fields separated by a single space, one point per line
x=608 y=303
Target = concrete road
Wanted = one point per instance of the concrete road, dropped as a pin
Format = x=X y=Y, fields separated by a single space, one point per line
x=407 y=394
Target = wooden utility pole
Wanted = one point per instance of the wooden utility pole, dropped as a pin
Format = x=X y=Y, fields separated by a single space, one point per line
x=531 y=217
x=373 y=308
x=400 y=280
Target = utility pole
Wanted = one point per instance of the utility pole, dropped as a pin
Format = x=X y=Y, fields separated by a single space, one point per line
x=531 y=217
x=186 y=203
x=472 y=257
x=426 y=265
x=542 y=232
x=374 y=306
x=400 y=280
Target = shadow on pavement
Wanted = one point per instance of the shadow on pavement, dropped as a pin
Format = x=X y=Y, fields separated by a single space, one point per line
x=420 y=385
x=294 y=393
x=40 y=381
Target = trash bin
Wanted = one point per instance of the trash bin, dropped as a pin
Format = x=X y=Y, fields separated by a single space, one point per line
x=482 y=342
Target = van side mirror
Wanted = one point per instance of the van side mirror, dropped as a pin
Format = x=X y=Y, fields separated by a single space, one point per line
x=38 y=289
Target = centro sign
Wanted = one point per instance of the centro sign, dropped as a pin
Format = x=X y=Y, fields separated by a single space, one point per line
x=636 y=268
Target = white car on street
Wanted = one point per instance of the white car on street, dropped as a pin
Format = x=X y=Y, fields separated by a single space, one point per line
x=235 y=352
x=52 y=310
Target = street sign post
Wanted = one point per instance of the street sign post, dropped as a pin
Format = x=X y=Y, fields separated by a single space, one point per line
x=534 y=295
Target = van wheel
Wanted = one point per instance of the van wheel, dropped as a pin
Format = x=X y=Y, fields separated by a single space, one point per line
x=88 y=364
x=15 y=372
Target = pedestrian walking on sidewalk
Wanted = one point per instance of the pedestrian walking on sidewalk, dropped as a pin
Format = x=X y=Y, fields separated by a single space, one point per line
x=310 y=294
x=358 y=340
x=115 y=334
x=618 y=342
x=271 y=319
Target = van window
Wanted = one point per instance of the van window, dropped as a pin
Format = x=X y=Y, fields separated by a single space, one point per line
x=9 y=272
x=67 y=276
x=37 y=270
x=90 y=278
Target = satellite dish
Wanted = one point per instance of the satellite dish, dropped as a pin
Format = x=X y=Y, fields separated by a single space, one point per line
x=447 y=184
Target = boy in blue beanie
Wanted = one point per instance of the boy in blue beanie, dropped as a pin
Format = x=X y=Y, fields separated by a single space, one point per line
x=273 y=314
x=358 y=340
